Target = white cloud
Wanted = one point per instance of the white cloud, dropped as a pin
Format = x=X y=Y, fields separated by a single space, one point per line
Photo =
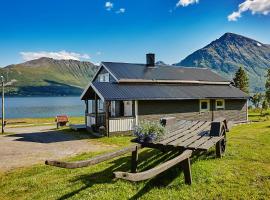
x=255 y=6
x=185 y=3
x=121 y=10
x=55 y=55
x=108 y=5
x=234 y=16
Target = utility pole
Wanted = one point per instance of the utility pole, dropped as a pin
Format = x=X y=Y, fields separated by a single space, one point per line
x=3 y=104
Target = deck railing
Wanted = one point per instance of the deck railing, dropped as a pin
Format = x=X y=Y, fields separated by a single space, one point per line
x=121 y=124
x=91 y=119
x=116 y=124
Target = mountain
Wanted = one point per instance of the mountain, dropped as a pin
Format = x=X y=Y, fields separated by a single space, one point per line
x=160 y=62
x=47 y=77
x=226 y=54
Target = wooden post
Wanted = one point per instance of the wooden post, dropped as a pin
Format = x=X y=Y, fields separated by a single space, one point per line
x=3 y=105
x=134 y=160
x=187 y=171
x=212 y=105
x=86 y=111
x=107 y=105
x=218 y=149
x=247 y=110
x=96 y=110
x=136 y=113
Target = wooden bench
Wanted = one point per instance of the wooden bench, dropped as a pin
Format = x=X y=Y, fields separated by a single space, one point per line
x=61 y=120
x=184 y=137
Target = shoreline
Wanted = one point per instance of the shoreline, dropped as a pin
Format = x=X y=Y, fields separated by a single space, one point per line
x=8 y=96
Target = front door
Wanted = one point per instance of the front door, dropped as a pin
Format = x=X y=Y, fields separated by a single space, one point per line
x=127 y=108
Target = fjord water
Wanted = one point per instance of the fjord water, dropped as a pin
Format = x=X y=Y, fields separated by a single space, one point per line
x=37 y=107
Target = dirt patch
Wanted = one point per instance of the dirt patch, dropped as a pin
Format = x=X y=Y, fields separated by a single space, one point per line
x=32 y=145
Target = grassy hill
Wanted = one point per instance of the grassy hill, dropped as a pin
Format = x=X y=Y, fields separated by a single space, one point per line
x=231 y=51
x=48 y=77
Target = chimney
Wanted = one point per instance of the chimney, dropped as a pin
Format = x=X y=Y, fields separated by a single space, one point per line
x=150 y=59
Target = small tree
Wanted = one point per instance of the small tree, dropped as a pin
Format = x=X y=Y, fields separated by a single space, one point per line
x=264 y=106
x=241 y=80
x=267 y=86
x=257 y=99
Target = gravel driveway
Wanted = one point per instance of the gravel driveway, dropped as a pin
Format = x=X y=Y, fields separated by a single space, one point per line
x=31 y=145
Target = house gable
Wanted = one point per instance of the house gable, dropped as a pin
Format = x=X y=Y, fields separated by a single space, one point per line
x=104 y=73
x=101 y=71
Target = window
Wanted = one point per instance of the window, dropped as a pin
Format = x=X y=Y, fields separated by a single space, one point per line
x=100 y=105
x=104 y=77
x=127 y=108
x=220 y=104
x=204 y=105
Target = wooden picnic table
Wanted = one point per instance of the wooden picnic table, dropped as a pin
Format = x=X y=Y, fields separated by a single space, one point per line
x=185 y=137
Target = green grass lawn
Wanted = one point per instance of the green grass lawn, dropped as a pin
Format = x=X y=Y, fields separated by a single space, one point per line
x=244 y=173
x=256 y=115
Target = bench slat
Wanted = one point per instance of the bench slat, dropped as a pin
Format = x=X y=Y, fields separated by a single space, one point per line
x=199 y=142
x=193 y=139
x=196 y=131
x=211 y=142
x=180 y=132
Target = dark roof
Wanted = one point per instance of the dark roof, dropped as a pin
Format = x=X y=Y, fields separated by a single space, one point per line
x=114 y=91
x=161 y=72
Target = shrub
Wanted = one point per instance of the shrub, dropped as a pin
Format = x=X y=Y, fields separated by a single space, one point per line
x=149 y=131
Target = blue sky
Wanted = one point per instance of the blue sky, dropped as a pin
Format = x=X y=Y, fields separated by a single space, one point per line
x=123 y=30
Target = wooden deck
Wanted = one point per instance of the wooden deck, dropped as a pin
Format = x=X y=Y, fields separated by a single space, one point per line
x=193 y=135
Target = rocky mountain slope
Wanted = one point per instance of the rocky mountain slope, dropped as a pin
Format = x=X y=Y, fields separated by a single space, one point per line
x=48 y=77
x=226 y=54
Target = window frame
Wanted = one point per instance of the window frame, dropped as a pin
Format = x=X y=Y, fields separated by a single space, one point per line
x=208 y=105
x=220 y=107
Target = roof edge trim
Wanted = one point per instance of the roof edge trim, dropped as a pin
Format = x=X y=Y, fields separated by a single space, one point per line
x=173 y=81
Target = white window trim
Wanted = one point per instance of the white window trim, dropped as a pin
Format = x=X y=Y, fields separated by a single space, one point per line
x=208 y=105
x=220 y=107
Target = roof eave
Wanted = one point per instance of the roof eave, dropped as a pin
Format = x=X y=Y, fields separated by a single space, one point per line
x=167 y=99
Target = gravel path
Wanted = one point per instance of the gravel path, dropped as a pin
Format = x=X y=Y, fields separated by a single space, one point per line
x=32 y=145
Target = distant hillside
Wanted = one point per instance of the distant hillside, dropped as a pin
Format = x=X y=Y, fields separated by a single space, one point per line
x=48 y=77
x=226 y=54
